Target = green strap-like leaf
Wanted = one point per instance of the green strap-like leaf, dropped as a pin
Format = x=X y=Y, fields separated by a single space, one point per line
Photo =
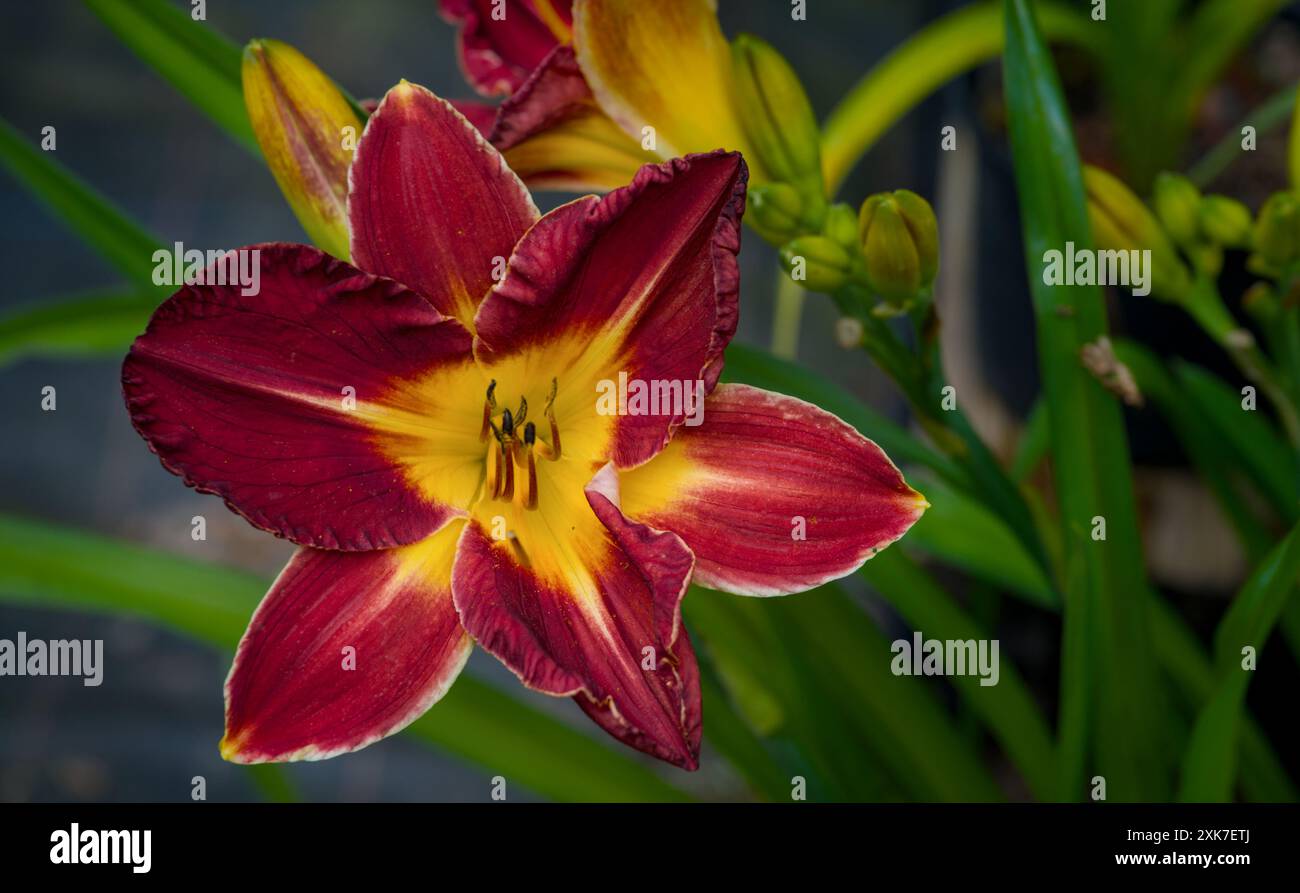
x=728 y=732
x=92 y=325
x=761 y=369
x=52 y=566
x=194 y=58
x=1212 y=455
x=1006 y=707
x=121 y=241
x=829 y=667
x=963 y=533
x=924 y=62
x=1262 y=777
x=1108 y=676
x=1263 y=453
x=1210 y=763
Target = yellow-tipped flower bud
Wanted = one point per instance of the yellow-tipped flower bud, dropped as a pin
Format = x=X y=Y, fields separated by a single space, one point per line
x=1121 y=222
x=1225 y=221
x=817 y=263
x=1277 y=230
x=307 y=130
x=777 y=116
x=775 y=210
x=899 y=236
x=1178 y=204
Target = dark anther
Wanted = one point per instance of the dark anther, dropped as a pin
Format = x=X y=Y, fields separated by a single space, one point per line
x=530 y=434
x=507 y=424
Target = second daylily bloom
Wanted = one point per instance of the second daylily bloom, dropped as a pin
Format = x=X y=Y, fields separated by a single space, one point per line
x=432 y=427
x=624 y=80
x=500 y=43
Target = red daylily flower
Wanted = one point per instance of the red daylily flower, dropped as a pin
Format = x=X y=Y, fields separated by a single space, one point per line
x=501 y=43
x=598 y=88
x=428 y=434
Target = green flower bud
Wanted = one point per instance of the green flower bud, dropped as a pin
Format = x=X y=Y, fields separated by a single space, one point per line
x=1207 y=258
x=1261 y=303
x=899 y=236
x=1121 y=222
x=842 y=225
x=775 y=210
x=776 y=115
x=1277 y=230
x=817 y=263
x=1225 y=221
x=1178 y=204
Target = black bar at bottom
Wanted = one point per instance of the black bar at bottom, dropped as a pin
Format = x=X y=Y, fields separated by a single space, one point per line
x=301 y=842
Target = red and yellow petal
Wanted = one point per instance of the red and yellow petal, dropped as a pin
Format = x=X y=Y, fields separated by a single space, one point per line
x=577 y=600
x=665 y=66
x=500 y=43
x=288 y=403
x=346 y=649
x=641 y=282
x=432 y=204
x=555 y=136
x=772 y=494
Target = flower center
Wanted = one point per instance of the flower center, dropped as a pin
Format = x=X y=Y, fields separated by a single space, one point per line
x=513 y=447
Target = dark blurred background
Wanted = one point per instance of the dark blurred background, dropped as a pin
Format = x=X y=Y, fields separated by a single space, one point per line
x=155 y=721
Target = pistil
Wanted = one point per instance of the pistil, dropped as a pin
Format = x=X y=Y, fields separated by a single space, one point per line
x=516 y=441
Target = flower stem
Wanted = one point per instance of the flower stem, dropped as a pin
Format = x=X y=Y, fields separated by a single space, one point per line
x=919 y=376
x=786 y=317
x=1206 y=306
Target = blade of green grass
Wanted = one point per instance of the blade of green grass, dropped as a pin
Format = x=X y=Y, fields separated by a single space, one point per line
x=1106 y=603
x=194 y=58
x=56 y=567
x=1210 y=762
x=92 y=217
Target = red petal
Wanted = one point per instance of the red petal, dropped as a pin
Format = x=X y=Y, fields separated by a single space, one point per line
x=736 y=487
x=586 y=634
x=554 y=92
x=480 y=114
x=498 y=53
x=555 y=136
x=645 y=276
x=291 y=694
x=432 y=204
x=245 y=396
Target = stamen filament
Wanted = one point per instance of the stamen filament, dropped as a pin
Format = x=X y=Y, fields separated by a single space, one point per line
x=517 y=444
